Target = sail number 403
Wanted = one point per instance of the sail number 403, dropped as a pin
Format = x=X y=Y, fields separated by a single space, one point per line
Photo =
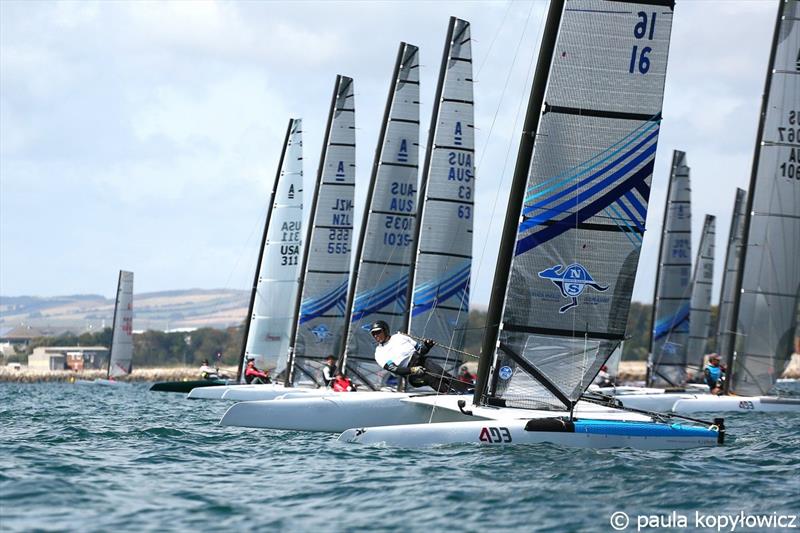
x=499 y=435
x=645 y=27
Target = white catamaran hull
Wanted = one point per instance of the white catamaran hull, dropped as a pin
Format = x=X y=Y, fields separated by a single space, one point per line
x=337 y=412
x=740 y=404
x=581 y=433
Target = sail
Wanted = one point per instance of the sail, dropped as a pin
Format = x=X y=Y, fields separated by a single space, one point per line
x=725 y=323
x=121 y=356
x=379 y=283
x=702 y=280
x=443 y=261
x=321 y=322
x=770 y=274
x=670 y=334
x=578 y=240
x=275 y=286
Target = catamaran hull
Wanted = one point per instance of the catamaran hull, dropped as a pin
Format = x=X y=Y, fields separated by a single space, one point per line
x=268 y=392
x=662 y=403
x=740 y=404
x=581 y=434
x=335 y=412
x=185 y=386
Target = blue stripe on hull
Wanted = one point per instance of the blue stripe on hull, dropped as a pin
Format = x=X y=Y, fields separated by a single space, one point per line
x=641 y=429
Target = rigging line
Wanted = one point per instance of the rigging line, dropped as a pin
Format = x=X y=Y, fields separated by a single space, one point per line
x=505 y=86
x=444 y=348
x=496 y=33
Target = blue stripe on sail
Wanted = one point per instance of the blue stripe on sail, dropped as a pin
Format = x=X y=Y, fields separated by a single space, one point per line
x=377 y=299
x=461 y=288
x=572 y=203
x=618 y=217
x=427 y=291
x=644 y=127
x=642 y=210
x=631 y=217
x=571 y=189
x=316 y=307
x=431 y=294
x=585 y=213
x=679 y=322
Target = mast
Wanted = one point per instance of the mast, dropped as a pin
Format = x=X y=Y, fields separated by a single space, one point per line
x=257 y=274
x=381 y=253
x=752 y=190
x=517 y=195
x=114 y=324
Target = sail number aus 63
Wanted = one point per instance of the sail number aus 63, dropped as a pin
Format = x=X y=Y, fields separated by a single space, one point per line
x=645 y=27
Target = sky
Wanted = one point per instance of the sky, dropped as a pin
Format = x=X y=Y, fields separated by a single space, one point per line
x=145 y=135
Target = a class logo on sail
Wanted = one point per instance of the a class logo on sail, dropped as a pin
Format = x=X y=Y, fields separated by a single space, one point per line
x=321 y=332
x=571 y=282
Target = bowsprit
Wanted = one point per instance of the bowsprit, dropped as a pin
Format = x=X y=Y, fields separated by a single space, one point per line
x=572 y=281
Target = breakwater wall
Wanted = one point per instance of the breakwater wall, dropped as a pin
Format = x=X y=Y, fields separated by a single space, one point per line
x=26 y=375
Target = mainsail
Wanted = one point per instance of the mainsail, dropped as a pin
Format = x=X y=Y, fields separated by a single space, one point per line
x=121 y=356
x=380 y=278
x=568 y=264
x=725 y=323
x=272 y=299
x=325 y=269
x=769 y=275
x=443 y=257
x=702 y=280
x=670 y=333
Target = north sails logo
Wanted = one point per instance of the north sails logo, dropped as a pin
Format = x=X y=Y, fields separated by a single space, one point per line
x=321 y=332
x=572 y=281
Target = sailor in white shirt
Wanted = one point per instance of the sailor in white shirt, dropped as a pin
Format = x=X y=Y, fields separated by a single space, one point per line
x=403 y=356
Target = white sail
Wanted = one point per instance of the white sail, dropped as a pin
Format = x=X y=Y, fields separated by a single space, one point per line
x=275 y=286
x=670 y=333
x=381 y=272
x=321 y=320
x=121 y=356
x=727 y=294
x=769 y=280
x=577 y=243
x=440 y=306
x=702 y=280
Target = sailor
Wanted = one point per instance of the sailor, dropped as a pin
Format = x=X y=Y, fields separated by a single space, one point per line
x=207 y=371
x=329 y=371
x=603 y=378
x=714 y=374
x=342 y=383
x=404 y=357
x=253 y=375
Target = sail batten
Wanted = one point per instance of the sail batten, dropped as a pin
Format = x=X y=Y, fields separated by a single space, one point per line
x=577 y=241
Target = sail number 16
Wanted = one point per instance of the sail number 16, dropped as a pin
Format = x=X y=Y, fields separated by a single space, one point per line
x=639 y=60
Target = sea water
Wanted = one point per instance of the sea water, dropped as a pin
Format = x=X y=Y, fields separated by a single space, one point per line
x=91 y=458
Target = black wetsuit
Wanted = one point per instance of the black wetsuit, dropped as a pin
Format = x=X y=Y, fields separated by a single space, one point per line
x=435 y=376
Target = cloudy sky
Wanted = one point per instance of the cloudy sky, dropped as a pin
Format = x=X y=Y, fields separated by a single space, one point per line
x=144 y=135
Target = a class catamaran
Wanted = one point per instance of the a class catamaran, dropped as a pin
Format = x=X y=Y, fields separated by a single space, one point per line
x=767 y=284
x=120 y=360
x=563 y=308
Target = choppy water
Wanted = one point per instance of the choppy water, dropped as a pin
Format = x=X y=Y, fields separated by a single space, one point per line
x=87 y=458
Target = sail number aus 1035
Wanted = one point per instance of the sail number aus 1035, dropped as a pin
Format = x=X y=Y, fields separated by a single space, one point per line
x=645 y=27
